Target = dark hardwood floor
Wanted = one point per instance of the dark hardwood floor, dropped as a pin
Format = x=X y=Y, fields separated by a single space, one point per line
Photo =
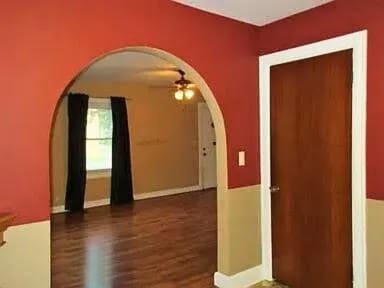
x=164 y=242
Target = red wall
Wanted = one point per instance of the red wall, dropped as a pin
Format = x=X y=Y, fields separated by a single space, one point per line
x=45 y=43
x=338 y=18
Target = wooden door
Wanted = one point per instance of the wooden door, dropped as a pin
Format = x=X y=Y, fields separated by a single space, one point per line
x=207 y=139
x=311 y=121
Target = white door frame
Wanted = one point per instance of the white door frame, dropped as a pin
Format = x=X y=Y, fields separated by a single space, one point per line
x=358 y=42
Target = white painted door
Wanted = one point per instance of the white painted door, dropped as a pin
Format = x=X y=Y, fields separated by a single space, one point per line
x=207 y=148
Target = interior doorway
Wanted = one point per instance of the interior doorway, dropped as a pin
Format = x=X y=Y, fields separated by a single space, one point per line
x=356 y=171
x=154 y=114
x=207 y=148
x=311 y=116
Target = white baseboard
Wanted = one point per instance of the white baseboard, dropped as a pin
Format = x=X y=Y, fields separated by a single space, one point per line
x=167 y=192
x=243 y=279
x=88 y=204
x=104 y=202
x=25 y=259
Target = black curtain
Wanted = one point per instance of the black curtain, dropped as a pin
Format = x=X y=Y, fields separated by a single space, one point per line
x=77 y=126
x=121 y=181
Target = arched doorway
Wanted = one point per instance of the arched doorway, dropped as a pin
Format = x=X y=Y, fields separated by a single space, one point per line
x=218 y=121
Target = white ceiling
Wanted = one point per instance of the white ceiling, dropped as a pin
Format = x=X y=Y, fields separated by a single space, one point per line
x=256 y=12
x=134 y=67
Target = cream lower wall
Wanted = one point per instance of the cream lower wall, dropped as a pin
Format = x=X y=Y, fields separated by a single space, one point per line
x=25 y=260
x=375 y=243
x=243 y=247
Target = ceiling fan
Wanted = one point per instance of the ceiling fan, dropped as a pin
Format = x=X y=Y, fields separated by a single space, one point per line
x=184 y=87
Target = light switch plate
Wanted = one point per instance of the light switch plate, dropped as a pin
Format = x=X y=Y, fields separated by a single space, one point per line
x=242 y=158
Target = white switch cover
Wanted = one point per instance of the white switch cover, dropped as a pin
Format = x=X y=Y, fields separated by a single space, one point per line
x=242 y=158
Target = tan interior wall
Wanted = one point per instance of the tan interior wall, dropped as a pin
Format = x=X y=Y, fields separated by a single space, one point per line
x=375 y=243
x=25 y=259
x=164 y=140
x=244 y=245
x=244 y=229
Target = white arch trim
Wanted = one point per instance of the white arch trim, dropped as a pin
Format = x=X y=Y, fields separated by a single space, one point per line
x=221 y=147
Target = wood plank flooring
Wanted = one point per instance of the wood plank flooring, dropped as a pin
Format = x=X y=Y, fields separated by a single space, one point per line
x=162 y=243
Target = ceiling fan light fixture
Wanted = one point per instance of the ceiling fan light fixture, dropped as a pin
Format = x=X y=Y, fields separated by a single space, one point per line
x=183 y=88
x=189 y=93
x=179 y=94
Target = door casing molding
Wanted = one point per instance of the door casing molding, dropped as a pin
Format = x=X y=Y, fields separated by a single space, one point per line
x=358 y=43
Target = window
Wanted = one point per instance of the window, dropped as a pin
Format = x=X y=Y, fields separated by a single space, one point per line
x=99 y=135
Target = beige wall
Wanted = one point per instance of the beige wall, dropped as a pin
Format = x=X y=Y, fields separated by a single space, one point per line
x=25 y=259
x=164 y=141
x=31 y=244
x=244 y=246
x=244 y=229
x=375 y=243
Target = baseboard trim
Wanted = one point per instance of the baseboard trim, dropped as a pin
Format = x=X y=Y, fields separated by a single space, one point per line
x=243 y=279
x=88 y=204
x=155 y=194
x=168 y=192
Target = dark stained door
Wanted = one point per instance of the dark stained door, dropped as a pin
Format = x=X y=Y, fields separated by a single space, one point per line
x=311 y=121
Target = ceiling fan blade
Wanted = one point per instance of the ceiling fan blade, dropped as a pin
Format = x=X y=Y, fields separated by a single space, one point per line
x=162 y=86
x=158 y=70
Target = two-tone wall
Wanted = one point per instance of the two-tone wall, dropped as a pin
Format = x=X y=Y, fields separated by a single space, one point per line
x=45 y=44
x=338 y=18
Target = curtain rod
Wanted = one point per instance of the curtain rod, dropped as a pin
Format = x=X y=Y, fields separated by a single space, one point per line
x=126 y=99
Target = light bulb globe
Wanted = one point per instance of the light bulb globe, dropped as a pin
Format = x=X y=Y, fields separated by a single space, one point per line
x=179 y=95
x=189 y=93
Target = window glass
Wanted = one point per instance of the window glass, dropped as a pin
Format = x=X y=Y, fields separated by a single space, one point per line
x=99 y=139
